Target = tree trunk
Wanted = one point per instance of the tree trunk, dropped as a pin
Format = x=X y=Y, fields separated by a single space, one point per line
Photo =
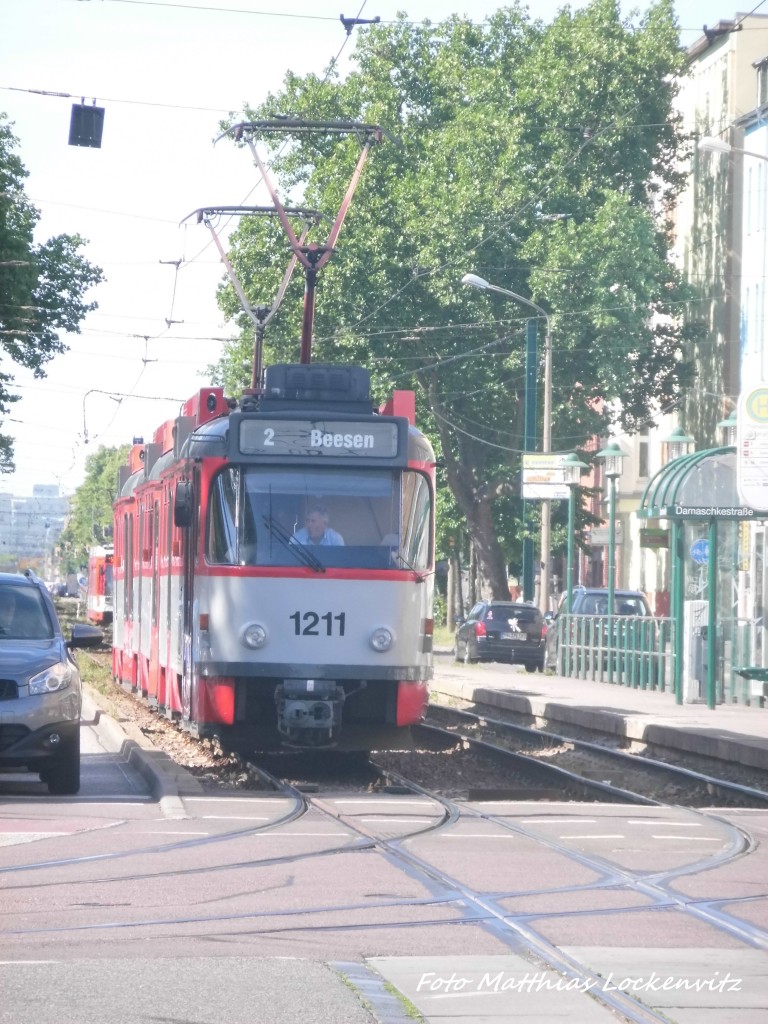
x=475 y=500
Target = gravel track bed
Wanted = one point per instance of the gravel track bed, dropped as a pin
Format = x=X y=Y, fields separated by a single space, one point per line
x=456 y=772
x=647 y=781
x=460 y=772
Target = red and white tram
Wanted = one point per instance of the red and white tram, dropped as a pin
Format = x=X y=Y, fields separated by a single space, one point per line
x=229 y=616
x=100 y=583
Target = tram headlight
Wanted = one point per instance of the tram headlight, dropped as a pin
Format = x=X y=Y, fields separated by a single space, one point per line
x=254 y=635
x=382 y=639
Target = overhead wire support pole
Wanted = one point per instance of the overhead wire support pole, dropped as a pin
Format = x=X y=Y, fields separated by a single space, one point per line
x=312 y=257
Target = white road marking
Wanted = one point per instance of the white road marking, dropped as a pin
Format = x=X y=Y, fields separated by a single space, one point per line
x=692 y=839
x=660 y=821
x=400 y=821
x=559 y=821
x=235 y=817
x=475 y=835
x=592 y=835
x=269 y=835
x=13 y=838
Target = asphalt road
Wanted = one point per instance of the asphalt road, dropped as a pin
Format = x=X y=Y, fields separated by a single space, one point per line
x=120 y=908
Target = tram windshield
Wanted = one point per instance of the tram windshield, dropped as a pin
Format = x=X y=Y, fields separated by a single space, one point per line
x=366 y=519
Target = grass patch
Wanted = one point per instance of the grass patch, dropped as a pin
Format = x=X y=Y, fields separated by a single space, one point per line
x=442 y=637
x=95 y=672
x=407 y=1005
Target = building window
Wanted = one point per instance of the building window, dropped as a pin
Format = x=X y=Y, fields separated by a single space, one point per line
x=642 y=453
x=762 y=82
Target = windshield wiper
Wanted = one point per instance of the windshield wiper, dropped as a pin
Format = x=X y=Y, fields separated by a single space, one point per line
x=298 y=550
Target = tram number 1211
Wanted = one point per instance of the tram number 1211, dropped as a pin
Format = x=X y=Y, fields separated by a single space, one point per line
x=309 y=624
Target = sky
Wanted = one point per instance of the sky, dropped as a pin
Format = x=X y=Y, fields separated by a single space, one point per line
x=166 y=74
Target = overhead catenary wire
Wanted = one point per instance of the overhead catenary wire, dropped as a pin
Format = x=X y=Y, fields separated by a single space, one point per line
x=189 y=262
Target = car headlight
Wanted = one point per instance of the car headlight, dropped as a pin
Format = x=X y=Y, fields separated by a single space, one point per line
x=57 y=677
x=254 y=636
x=381 y=639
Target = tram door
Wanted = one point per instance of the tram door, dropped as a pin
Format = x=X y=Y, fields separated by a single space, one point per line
x=189 y=544
x=154 y=601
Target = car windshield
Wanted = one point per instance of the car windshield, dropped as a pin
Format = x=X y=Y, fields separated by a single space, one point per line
x=23 y=615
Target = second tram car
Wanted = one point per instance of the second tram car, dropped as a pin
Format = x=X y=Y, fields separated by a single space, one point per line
x=100 y=582
x=274 y=565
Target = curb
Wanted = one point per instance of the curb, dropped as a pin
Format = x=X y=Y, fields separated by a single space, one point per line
x=167 y=782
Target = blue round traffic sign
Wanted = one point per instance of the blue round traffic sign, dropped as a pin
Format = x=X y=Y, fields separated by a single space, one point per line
x=700 y=551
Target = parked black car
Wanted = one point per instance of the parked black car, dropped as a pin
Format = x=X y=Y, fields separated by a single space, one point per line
x=503 y=631
x=594 y=601
x=40 y=687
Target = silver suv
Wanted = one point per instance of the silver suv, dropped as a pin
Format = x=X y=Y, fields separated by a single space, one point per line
x=40 y=687
x=593 y=601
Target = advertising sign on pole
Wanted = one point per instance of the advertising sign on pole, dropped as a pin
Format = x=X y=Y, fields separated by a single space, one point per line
x=543 y=477
x=752 y=447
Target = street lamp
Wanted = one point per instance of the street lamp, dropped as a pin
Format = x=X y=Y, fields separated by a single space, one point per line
x=612 y=457
x=572 y=467
x=712 y=145
x=677 y=444
x=546 y=437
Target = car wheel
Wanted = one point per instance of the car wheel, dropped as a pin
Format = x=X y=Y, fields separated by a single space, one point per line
x=530 y=667
x=457 y=653
x=63 y=775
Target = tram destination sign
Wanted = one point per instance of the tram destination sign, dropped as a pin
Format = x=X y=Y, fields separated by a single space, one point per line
x=319 y=438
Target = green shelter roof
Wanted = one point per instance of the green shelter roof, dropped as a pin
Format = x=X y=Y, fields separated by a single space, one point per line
x=701 y=485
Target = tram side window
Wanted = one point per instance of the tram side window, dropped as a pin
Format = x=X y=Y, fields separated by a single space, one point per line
x=417 y=521
x=222 y=519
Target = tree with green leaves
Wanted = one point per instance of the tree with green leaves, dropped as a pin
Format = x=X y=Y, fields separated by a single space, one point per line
x=42 y=286
x=541 y=157
x=90 y=513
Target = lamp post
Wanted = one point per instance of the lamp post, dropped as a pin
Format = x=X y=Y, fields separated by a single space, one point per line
x=729 y=427
x=612 y=457
x=572 y=467
x=546 y=437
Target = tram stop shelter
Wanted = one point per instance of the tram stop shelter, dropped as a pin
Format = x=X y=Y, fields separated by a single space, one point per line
x=716 y=654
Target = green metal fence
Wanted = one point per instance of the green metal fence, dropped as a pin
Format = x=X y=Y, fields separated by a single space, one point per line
x=627 y=650
x=642 y=652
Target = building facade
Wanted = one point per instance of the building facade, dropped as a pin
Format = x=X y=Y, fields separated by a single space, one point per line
x=30 y=527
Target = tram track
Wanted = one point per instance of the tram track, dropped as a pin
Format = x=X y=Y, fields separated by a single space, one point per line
x=657 y=781
x=515 y=930
x=456 y=898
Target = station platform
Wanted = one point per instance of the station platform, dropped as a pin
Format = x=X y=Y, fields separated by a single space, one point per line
x=731 y=732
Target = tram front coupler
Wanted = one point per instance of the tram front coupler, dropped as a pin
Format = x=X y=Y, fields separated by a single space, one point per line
x=309 y=711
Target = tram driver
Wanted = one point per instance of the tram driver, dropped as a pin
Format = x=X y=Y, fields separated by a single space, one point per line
x=316 y=530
